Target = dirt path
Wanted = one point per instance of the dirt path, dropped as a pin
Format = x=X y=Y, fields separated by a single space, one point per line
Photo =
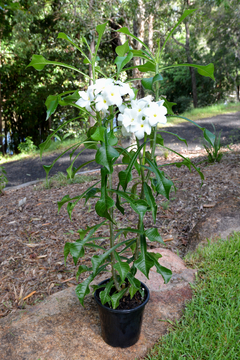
x=22 y=171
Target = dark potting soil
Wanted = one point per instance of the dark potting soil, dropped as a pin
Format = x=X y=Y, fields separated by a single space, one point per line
x=126 y=303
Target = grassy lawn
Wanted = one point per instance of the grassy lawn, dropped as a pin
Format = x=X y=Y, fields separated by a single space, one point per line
x=210 y=327
x=205 y=112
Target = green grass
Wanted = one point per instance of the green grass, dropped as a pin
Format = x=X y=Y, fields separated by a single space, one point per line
x=205 y=112
x=210 y=327
x=60 y=179
x=55 y=147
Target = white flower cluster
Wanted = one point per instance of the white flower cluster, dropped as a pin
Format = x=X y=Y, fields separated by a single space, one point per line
x=142 y=116
x=139 y=118
x=104 y=93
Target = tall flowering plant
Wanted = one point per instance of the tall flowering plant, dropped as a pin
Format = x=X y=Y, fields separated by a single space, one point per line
x=106 y=100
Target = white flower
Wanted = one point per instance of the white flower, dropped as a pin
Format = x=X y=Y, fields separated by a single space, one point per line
x=125 y=89
x=113 y=95
x=139 y=105
x=141 y=127
x=102 y=84
x=86 y=98
x=101 y=103
x=129 y=119
x=155 y=113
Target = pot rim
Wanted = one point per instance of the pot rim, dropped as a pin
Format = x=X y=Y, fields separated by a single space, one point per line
x=122 y=311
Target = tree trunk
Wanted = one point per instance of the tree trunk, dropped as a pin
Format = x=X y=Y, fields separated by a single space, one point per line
x=192 y=71
x=138 y=30
x=1 y=127
x=238 y=88
x=150 y=32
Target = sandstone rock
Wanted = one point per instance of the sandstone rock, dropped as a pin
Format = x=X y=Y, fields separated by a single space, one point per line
x=61 y=329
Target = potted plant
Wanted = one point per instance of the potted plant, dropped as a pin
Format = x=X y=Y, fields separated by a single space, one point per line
x=122 y=297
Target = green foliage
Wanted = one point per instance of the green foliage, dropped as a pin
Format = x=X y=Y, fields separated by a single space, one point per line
x=27 y=146
x=3 y=179
x=213 y=148
x=209 y=328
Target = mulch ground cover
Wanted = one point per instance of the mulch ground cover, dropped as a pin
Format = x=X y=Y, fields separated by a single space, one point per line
x=33 y=234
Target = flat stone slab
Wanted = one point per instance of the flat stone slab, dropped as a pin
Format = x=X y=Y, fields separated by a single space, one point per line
x=61 y=329
x=222 y=220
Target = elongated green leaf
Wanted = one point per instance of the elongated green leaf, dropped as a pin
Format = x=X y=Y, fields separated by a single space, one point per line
x=205 y=70
x=153 y=235
x=83 y=289
x=51 y=104
x=90 y=194
x=166 y=273
x=163 y=185
x=66 y=198
x=148 y=66
x=122 y=49
x=125 y=30
x=105 y=201
x=62 y=35
x=150 y=200
x=179 y=137
x=148 y=82
x=125 y=176
x=121 y=61
x=104 y=295
x=122 y=267
x=144 y=262
x=70 y=99
x=117 y=297
x=209 y=136
x=135 y=284
x=100 y=29
x=46 y=144
x=82 y=269
x=106 y=153
x=184 y=15
x=38 y=62
x=139 y=206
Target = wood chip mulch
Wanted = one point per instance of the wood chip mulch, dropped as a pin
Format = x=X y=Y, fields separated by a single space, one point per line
x=33 y=234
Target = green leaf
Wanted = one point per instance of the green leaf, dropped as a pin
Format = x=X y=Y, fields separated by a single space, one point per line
x=166 y=273
x=51 y=104
x=163 y=185
x=124 y=30
x=105 y=154
x=148 y=82
x=153 y=235
x=184 y=15
x=83 y=289
x=70 y=99
x=90 y=194
x=179 y=137
x=98 y=135
x=150 y=200
x=139 y=206
x=125 y=176
x=148 y=66
x=62 y=35
x=100 y=29
x=205 y=70
x=104 y=294
x=168 y=105
x=144 y=262
x=105 y=201
x=209 y=137
x=38 y=62
x=82 y=269
x=135 y=285
x=122 y=49
x=66 y=198
x=117 y=297
x=122 y=267
x=121 y=61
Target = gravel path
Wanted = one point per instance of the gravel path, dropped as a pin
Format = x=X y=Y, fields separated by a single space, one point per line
x=26 y=170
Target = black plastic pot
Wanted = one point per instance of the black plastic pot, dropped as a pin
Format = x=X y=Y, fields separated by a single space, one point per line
x=121 y=328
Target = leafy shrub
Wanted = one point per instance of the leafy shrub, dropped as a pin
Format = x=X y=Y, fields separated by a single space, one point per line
x=3 y=179
x=183 y=104
x=213 y=151
x=27 y=146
